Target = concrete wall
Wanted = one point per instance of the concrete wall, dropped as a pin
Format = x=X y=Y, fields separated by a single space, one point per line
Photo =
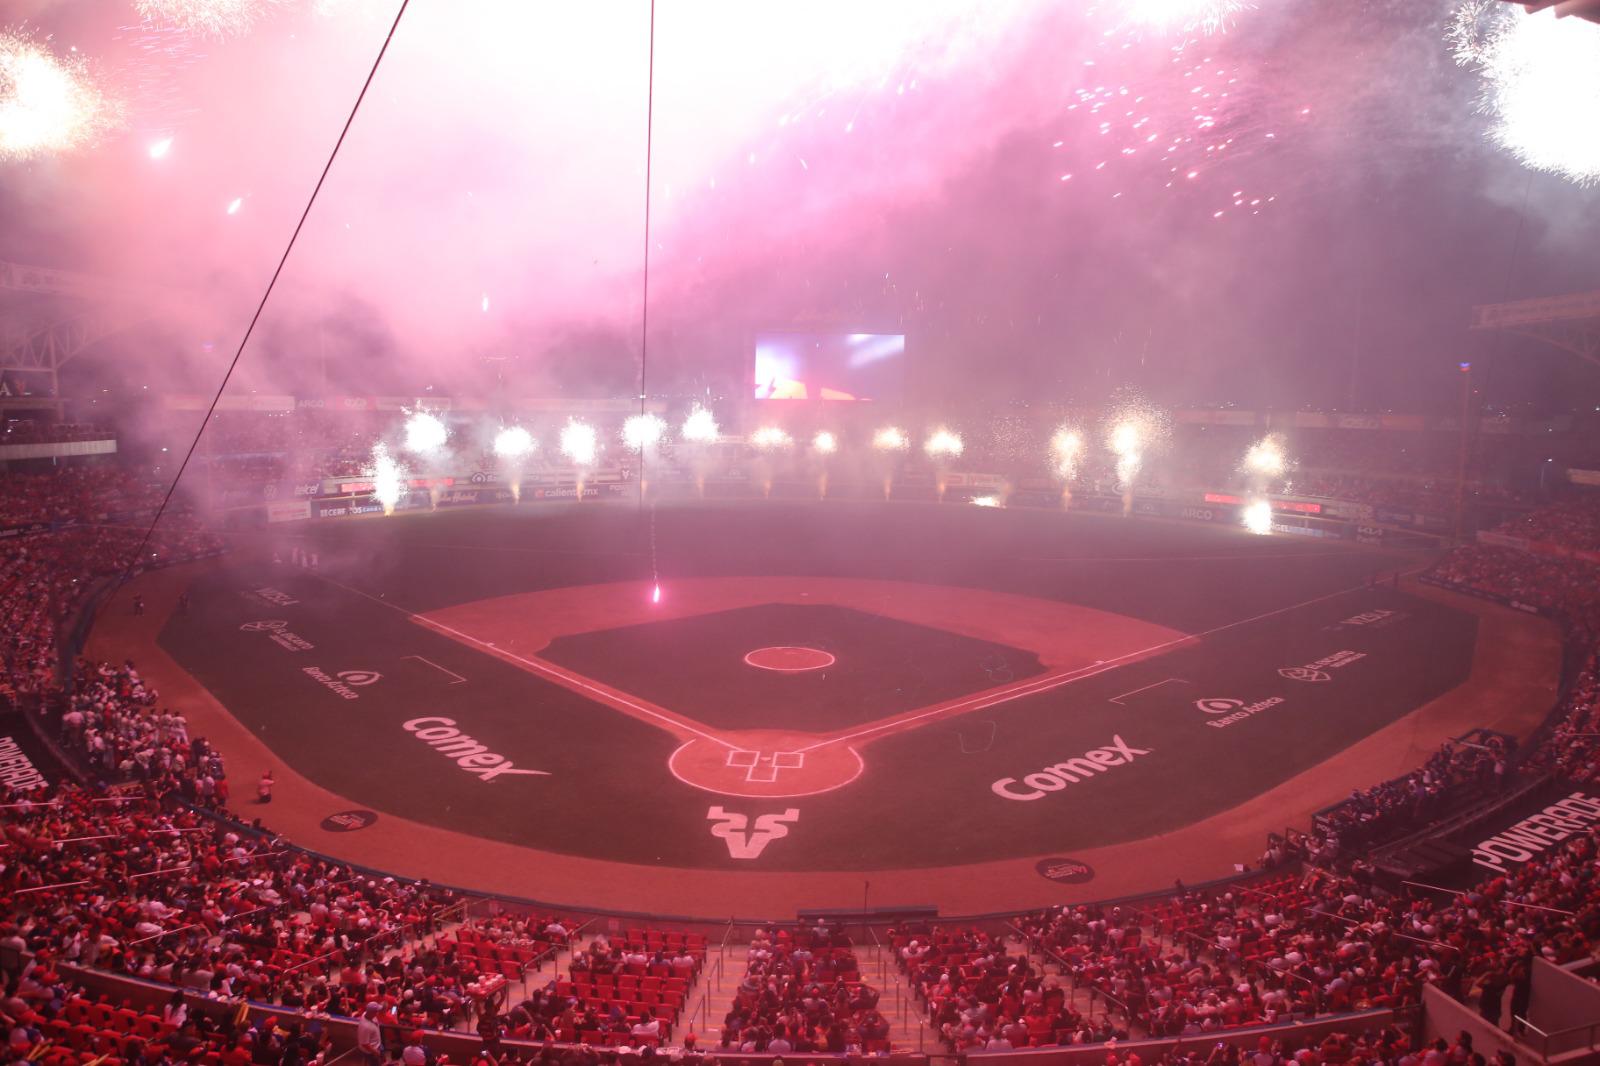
x=1246 y=1039
x=1444 y=1017
x=1563 y=1001
x=459 y=1046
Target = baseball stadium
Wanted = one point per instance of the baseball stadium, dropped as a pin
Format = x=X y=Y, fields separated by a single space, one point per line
x=765 y=534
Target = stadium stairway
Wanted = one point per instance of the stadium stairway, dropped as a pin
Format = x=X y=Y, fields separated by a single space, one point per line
x=715 y=992
x=908 y=1019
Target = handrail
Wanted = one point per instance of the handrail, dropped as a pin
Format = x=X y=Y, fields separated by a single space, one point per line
x=1402 y=936
x=1591 y=1029
x=165 y=933
x=47 y=888
x=1508 y=902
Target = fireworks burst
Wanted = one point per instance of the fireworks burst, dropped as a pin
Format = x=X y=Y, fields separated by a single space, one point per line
x=1265 y=461
x=579 y=443
x=824 y=443
x=388 y=478
x=513 y=442
x=1541 y=84
x=943 y=444
x=425 y=434
x=1187 y=122
x=701 y=427
x=642 y=431
x=891 y=439
x=206 y=18
x=1177 y=16
x=48 y=105
x=770 y=439
x=1257 y=517
x=1134 y=430
x=1066 y=451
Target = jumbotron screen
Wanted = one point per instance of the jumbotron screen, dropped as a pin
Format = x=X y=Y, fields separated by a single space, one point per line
x=829 y=366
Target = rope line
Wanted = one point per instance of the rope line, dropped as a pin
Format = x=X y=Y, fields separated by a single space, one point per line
x=233 y=364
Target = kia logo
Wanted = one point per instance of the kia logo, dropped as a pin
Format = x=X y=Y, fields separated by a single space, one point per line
x=359 y=677
x=1304 y=673
x=263 y=627
x=1216 y=706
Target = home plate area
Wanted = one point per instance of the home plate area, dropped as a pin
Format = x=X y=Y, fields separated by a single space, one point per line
x=802 y=723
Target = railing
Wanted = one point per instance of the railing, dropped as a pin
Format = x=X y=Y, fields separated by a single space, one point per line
x=711 y=976
x=1576 y=1038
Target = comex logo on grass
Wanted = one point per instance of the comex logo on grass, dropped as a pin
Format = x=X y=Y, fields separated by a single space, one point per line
x=463 y=750
x=1070 y=772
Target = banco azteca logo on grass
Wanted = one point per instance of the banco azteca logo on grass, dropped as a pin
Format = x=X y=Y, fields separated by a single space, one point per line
x=269 y=626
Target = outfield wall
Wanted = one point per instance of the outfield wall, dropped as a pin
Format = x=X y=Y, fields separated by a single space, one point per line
x=275 y=503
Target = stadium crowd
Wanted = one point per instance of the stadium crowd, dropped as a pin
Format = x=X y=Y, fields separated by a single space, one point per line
x=802 y=992
x=43 y=431
x=1293 y=946
x=133 y=874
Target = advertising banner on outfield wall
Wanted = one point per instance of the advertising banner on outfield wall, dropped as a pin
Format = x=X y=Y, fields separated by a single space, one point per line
x=1482 y=594
x=967 y=480
x=347 y=507
x=1361 y=512
x=288 y=510
x=1502 y=540
x=253 y=402
x=1583 y=477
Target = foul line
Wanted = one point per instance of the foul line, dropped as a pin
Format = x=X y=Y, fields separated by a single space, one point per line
x=1224 y=558
x=1046 y=684
x=600 y=693
x=459 y=680
x=1120 y=697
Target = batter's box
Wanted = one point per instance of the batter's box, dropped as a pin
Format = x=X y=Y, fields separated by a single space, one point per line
x=764 y=765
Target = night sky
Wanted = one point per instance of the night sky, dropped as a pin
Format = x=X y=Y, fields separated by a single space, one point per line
x=1008 y=184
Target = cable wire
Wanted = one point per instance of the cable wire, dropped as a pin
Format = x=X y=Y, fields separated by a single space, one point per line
x=644 y=298
x=233 y=364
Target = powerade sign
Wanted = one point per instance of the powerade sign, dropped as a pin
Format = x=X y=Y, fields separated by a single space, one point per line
x=1531 y=836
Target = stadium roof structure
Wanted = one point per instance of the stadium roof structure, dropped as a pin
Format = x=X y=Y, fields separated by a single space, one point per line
x=1584 y=9
x=48 y=316
x=1570 y=322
